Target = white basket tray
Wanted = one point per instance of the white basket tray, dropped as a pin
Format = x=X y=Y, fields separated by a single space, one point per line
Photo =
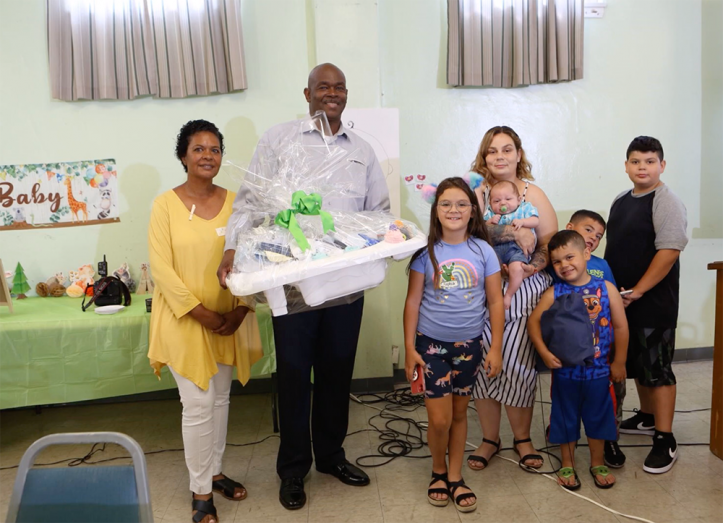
x=326 y=279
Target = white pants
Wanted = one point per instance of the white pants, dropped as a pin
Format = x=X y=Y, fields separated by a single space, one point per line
x=205 y=421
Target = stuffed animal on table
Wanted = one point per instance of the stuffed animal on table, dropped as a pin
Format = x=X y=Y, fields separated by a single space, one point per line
x=53 y=286
x=124 y=275
x=80 y=280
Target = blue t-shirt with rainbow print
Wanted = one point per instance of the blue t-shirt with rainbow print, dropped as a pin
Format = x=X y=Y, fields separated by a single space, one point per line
x=456 y=309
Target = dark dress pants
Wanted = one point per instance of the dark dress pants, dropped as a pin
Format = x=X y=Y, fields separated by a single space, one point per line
x=325 y=340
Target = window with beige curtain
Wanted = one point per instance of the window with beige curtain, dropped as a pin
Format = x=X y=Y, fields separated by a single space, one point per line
x=122 y=49
x=511 y=43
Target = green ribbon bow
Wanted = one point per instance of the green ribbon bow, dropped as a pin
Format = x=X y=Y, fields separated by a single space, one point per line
x=302 y=203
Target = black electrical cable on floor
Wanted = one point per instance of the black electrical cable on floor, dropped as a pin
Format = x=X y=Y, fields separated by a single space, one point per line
x=396 y=442
x=401 y=442
x=85 y=460
x=400 y=435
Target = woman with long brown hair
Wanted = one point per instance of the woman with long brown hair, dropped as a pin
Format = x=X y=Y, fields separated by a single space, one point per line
x=501 y=157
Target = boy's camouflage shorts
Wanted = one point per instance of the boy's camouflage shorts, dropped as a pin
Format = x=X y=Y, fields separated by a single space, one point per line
x=650 y=356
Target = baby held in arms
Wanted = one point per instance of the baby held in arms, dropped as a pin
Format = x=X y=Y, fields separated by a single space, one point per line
x=506 y=207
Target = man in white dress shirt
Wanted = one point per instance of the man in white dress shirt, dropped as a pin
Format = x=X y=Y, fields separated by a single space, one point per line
x=323 y=338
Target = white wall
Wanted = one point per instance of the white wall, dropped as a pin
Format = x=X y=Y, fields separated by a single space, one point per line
x=642 y=76
x=711 y=194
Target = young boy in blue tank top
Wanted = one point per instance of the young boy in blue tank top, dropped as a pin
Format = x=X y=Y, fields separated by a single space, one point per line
x=591 y=226
x=583 y=392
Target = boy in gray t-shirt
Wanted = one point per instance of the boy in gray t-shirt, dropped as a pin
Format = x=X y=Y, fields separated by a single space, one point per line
x=646 y=234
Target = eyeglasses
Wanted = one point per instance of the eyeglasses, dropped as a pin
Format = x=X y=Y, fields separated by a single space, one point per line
x=460 y=206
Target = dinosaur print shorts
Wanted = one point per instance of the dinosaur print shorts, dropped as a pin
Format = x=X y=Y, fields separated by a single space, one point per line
x=451 y=367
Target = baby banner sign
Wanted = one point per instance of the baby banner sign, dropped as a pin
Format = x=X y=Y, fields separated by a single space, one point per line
x=58 y=194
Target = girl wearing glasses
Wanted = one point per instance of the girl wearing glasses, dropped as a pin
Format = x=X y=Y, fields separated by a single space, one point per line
x=455 y=288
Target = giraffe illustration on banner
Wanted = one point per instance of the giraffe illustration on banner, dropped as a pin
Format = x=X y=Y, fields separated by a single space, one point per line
x=75 y=205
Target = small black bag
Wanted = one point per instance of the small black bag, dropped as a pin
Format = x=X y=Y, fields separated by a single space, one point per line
x=108 y=291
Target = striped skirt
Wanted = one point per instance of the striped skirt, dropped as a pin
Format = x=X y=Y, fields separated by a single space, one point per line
x=515 y=384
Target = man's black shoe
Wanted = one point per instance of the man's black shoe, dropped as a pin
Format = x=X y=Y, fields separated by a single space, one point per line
x=292 y=495
x=347 y=473
x=614 y=457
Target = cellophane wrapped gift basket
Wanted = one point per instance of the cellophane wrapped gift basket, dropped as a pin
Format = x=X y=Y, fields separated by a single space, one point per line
x=293 y=254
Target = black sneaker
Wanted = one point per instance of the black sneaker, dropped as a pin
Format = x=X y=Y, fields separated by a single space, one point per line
x=614 y=457
x=640 y=424
x=663 y=454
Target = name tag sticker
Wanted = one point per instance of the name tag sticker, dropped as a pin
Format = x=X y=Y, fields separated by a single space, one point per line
x=221 y=231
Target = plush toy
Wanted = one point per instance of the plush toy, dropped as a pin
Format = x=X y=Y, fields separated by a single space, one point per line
x=124 y=275
x=75 y=290
x=394 y=236
x=80 y=280
x=429 y=191
x=53 y=286
x=57 y=290
x=397 y=233
x=42 y=289
x=474 y=180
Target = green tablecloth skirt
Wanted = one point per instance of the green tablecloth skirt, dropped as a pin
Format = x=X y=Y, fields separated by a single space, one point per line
x=53 y=352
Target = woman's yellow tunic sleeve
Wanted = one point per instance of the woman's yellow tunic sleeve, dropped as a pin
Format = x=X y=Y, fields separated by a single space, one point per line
x=179 y=298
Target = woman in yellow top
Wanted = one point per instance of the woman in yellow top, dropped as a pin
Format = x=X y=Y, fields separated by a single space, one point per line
x=198 y=328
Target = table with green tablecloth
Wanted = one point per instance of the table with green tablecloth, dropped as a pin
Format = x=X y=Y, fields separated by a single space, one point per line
x=53 y=352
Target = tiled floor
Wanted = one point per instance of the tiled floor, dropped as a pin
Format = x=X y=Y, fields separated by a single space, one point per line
x=691 y=492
